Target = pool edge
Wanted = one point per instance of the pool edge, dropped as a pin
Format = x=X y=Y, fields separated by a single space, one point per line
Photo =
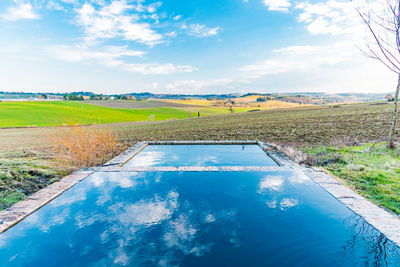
x=20 y=210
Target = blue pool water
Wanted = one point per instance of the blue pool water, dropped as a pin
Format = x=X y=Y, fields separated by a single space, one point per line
x=201 y=155
x=278 y=218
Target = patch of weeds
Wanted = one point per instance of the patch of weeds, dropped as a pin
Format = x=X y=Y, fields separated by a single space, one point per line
x=22 y=176
x=11 y=198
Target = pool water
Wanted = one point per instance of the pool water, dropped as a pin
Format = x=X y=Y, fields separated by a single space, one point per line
x=201 y=155
x=278 y=218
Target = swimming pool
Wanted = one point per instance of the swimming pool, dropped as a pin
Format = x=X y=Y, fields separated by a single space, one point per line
x=201 y=155
x=196 y=218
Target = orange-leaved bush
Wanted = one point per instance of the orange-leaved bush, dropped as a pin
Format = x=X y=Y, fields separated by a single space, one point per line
x=83 y=146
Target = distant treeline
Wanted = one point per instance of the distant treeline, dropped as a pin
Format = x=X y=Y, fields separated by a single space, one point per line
x=305 y=98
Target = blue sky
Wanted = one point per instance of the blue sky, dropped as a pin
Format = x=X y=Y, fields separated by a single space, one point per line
x=171 y=46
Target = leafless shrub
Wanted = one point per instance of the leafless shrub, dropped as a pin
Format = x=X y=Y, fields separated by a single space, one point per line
x=80 y=146
x=292 y=152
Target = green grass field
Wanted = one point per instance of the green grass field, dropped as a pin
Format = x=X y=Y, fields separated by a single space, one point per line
x=58 y=113
x=35 y=114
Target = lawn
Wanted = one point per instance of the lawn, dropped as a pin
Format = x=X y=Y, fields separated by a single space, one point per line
x=58 y=113
x=32 y=114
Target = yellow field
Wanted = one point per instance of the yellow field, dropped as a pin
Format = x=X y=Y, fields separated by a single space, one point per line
x=241 y=104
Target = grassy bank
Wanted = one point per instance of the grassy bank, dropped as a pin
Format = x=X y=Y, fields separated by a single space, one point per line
x=22 y=173
x=371 y=169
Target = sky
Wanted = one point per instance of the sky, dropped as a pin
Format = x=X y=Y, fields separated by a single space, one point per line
x=186 y=47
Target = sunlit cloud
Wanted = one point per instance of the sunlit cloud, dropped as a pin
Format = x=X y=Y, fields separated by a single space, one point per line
x=277 y=5
x=200 y=30
x=147 y=213
x=331 y=17
x=197 y=84
x=304 y=59
x=115 y=21
x=114 y=57
x=20 y=11
x=271 y=182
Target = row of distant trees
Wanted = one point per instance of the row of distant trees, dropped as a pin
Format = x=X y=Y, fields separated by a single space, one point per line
x=75 y=97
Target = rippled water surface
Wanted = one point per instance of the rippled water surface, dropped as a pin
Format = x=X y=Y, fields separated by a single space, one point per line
x=196 y=219
x=201 y=155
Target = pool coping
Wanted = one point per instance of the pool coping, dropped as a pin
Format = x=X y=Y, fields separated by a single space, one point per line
x=384 y=221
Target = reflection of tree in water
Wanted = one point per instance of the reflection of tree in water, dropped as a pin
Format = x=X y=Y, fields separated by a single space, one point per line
x=369 y=244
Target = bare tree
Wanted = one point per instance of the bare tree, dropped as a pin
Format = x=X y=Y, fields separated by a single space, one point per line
x=382 y=19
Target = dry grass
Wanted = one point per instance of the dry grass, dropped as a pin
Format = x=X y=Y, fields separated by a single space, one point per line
x=79 y=147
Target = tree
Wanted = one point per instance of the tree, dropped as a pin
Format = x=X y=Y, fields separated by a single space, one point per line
x=382 y=20
x=72 y=97
x=389 y=97
x=96 y=97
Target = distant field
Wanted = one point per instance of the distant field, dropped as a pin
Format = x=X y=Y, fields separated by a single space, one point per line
x=58 y=113
x=31 y=114
x=242 y=103
x=194 y=106
x=134 y=104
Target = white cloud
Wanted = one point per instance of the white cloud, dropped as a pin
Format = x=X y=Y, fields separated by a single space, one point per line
x=54 y=5
x=109 y=56
x=298 y=49
x=69 y=1
x=336 y=67
x=114 y=20
x=277 y=5
x=304 y=59
x=153 y=7
x=156 y=68
x=20 y=11
x=201 y=30
x=171 y=34
x=148 y=213
x=288 y=203
x=196 y=84
x=177 y=17
x=271 y=182
x=269 y=66
x=331 y=17
x=112 y=56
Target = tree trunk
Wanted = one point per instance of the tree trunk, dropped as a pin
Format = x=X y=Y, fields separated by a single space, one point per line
x=391 y=141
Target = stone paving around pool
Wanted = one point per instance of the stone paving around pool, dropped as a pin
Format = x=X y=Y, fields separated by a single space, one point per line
x=384 y=221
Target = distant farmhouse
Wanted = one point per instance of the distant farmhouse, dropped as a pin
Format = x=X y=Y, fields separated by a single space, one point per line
x=130 y=97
